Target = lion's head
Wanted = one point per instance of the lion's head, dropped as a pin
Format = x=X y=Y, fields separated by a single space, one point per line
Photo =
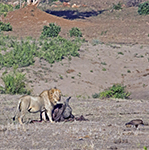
x=54 y=95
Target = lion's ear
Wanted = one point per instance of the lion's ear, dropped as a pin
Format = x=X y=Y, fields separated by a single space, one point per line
x=51 y=91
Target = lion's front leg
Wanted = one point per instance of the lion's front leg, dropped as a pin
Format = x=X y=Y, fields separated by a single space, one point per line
x=49 y=113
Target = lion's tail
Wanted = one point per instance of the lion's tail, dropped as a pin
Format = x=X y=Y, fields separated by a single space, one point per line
x=18 y=109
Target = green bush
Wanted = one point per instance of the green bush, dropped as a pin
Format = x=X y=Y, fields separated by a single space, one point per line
x=17 y=7
x=116 y=91
x=51 y=31
x=14 y=83
x=22 y=54
x=143 y=9
x=5 y=26
x=75 y=32
x=118 y=6
x=4 y=9
x=57 y=48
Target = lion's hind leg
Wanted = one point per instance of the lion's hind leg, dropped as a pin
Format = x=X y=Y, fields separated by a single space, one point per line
x=23 y=109
x=43 y=116
x=21 y=115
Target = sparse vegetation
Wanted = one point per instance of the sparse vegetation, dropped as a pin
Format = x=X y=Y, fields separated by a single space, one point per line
x=75 y=32
x=21 y=55
x=103 y=63
x=117 y=6
x=56 y=48
x=60 y=76
x=96 y=42
x=96 y=95
x=103 y=32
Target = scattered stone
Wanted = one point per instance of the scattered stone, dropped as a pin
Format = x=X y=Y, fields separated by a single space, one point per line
x=113 y=147
x=118 y=141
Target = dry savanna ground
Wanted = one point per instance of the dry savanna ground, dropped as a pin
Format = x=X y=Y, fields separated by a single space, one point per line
x=116 y=51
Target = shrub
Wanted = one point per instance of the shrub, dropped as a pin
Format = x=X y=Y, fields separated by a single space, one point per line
x=75 y=32
x=4 y=8
x=116 y=91
x=5 y=26
x=57 y=48
x=118 y=6
x=143 y=9
x=51 y=31
x=21 y=55
x=14 y=83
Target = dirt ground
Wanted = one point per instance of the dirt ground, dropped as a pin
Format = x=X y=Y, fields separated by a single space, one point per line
x=116 y=51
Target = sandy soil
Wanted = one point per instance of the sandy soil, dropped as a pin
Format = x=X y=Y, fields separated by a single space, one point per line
x=123 y=58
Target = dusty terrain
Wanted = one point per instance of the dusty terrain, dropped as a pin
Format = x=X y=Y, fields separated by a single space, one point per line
x=116 y=51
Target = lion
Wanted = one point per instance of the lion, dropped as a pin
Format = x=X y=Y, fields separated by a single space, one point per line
x=44 y=103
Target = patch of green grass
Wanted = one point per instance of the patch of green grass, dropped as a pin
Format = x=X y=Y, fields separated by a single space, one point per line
x=145 y=148
x=141 y=47
x=104 y=32
x=121 y=53
x=79 y=74
x=104 y=69
x=116 y=91
x=78 y=96
x=103 y=63
x=61 y=77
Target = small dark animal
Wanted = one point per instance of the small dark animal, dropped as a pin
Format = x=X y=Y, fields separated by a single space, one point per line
x=62 y=112
x=135 y=123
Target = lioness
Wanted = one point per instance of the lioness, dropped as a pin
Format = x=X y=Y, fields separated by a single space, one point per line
x=44 y=103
